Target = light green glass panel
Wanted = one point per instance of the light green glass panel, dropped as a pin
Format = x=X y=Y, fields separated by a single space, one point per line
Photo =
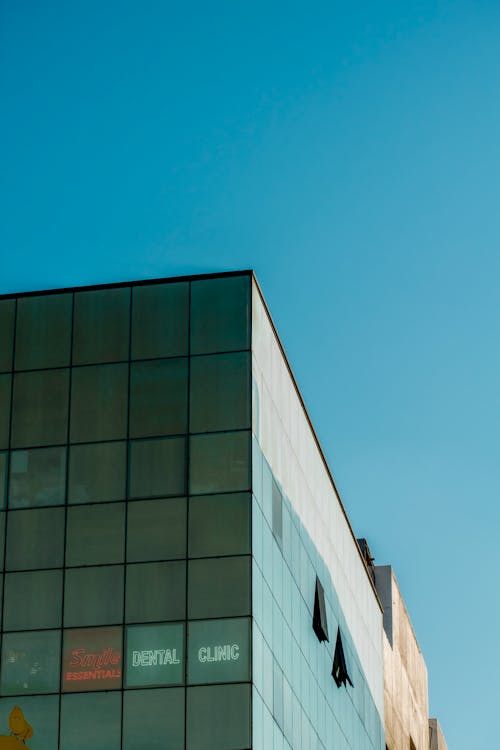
x=30 y=662
x=93 y=596
x=155 y=655
x=91 y=721
x=37 y=477
x=160 y=713
x=157 y=467
x=33 y=600
x=156 y=591
x=160 y=320
x=43 y=331
x=219 y=651
x=220 y=463
x=35 y=539
x=101 y=328
x=220 y=315
x=219 y=587
x=156 y=529
x=95 y=534
x=219 y=525
x=218 y=716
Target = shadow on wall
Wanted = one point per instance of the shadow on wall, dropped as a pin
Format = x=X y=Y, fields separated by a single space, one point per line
x=20 y=731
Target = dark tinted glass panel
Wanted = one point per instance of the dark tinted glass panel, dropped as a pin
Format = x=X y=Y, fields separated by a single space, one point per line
x=156 y=591
x=35 y=539
x=99 y=403
x=157 y=713
x=157 y=467
x=7 y=311
x=97 y=472
x=5 y=385
x=101 y=332
x=30 y=662
x=220 y=315
x=219 y=525
x=155 y=655
x=219 y=651
x=158 y=397
x=160 y=320
x=43 y=331
x=91 y=721
x=220 y=463
x=38 y=713
x=37 y=477
x=93 y=596
x=95 y=534
x=156 y=529
x=40 y=410
x=3 y=479
x=219 y=587
x=220 y=396
x=92 y=659
x=218 y=716
x=32 y=600
x=2 y=538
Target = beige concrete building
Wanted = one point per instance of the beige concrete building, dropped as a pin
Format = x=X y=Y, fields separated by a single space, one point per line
x=405 y=673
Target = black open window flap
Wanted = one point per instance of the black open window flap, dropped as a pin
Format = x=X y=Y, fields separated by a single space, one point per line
x=339 y=670
x=320 y=625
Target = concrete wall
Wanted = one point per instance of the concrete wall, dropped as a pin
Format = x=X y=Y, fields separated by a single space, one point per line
x=405 y=673
x=436 y=736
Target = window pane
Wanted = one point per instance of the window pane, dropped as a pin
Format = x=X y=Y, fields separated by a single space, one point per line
x=220 y=463
x=219 y=651
x=7 y=311
x=2 y=538
x=220 y=395
x=160 y=320
x=157 y=467
x=93 y=596
x=41 y=713
x=95 y=534
x=156 y=529
x=40 y=410
x=156 y=591
x=99 y=403
x=32 y=600
x=37 y=477
x=30 y=662
x=219 y=525
x=218 y=716
x=43 y=331
x=5 y=383
x=35 y=539
x=277 y=514
x=3 y=479
x=92 y=659
x=220 y=315
x=91 y=721
x=97 y=472
x=219 y=587
x=158 y=397
x=101 y=331
x=155 y=655
x=159 y=713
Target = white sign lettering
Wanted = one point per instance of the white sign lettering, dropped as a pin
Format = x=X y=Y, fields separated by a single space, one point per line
x=160 y=657
x=228 y=652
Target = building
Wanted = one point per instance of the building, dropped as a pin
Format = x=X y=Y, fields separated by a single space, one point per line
x=178 y=569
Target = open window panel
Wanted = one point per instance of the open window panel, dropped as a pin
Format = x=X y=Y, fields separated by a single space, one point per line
x=320 y=625
x=340 y=670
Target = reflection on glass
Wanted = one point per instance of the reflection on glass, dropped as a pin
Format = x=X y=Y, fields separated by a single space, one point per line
x=218 y=716
x=157 y=467
x=5 y=382
x=95 y=534
x=157 y=713
x=37 y=477
x=97 y=472
x=91 y=721
x=40 y=408
x=220 y=314
x=99 y=403
x=156 y=591
x=93 y=596
x=101 y=329
x=43 y=331
x=160 y=320
x=155 y=655
x=30 y=716
x=35 y=539
x=220 y=392
x=219 y=651
x=220 y=463
x=219 y=587
x=30 y=662
x=7 y=312
x=158 y=397
x=219 y=525
x=32 y=600
x=156 y=529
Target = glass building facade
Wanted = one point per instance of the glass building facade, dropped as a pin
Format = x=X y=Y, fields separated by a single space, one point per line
x=158 y=573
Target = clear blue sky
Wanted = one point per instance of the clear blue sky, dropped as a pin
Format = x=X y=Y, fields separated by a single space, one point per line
x=349 y=152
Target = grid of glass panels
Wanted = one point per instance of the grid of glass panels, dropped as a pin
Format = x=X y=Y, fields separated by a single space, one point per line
x=125 y=517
